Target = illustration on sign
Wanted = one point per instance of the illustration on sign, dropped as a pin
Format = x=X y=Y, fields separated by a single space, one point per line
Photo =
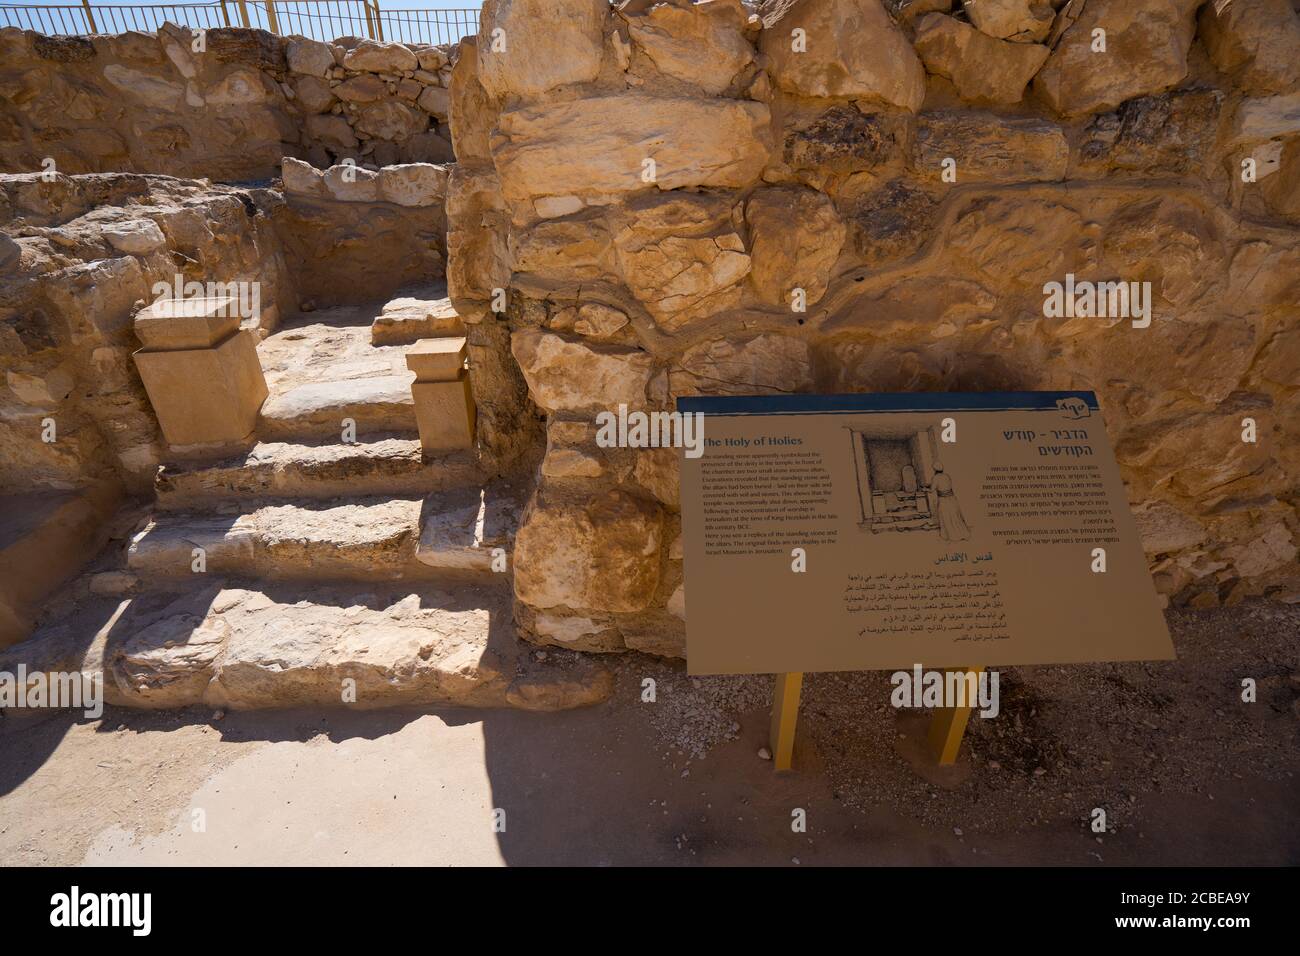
x=902 y=485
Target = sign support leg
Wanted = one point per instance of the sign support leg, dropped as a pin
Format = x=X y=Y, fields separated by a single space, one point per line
x=948 y=725
x=785 y=713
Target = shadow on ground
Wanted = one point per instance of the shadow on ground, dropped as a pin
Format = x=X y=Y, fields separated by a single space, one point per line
x=1186 y=776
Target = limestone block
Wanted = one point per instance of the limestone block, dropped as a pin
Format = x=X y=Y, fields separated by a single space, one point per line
x=701 y=43
x=301 y=179
x=462 y=528
x=444 y=413
x=1257 y=42
x=1146 y=52
x=599 y=553
x=761 y=364
x=989 y=148
x=46 y=537
x=984 y=70
x=1257 y=119
x=795 y=237
x=148 y=90
x=599 y=145
x=1024 y=21
x=205 y=395
x=199 y=323
x=350 y=183
x=470 y=111
x=437 y=360
x=851 y=48
x=1164 y=528
x=527 y=47
x=330 y=131
x=552 y=207
x=564 y=375
x=431 y=58
x=571 y=250
x=242 y=88
x=365 y=88
x=136 y=237
x=435 y=100
x=680 y=255
x=309 y=57
x=389 y=119
x=379 y=57
x=413 y=184
x=407 y=320
x=42 y=391
x=311 y=94
x=598 y=320
x=1169 y=134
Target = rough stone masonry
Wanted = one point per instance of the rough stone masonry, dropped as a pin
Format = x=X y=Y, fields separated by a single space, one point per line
x=660 y=188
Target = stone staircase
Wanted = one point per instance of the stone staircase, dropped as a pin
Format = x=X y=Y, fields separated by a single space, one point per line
x=328 y=563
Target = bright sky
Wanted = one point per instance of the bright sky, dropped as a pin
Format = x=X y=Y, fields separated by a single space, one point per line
x=325 y=19
x=394 y=4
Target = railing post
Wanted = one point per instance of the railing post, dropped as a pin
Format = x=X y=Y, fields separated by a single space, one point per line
x=379 y=21
x=90 y=16
x=270 y=17
x=225 y=12
x=243 y=13
x=370 y=21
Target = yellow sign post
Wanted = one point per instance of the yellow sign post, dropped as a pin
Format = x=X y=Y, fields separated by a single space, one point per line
x=785 y=714
x=947 y=726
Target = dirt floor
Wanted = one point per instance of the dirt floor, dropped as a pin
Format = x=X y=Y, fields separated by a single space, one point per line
x=1187 y=773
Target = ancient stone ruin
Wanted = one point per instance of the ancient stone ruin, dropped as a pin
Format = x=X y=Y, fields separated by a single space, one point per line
x=387 y=468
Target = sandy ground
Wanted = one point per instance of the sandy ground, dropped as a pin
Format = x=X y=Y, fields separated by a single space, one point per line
x=1187 y=772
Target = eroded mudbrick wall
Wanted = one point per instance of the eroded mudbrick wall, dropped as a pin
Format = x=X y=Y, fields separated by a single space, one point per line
x=848 y=195
x=225 y=104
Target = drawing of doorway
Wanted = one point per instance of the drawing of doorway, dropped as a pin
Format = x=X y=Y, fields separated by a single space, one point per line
x=901 y=483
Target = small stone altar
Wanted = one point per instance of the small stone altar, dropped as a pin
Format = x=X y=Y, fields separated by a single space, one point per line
x=200 y=370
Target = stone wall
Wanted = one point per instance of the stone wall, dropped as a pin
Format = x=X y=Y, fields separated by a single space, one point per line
x=79 y=257
x=226 y=106
x=655 y=190
x=354 y=235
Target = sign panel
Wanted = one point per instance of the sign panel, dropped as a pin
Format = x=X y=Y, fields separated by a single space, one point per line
x=856 y=532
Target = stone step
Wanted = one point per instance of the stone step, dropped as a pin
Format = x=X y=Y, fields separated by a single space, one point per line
x=470 y=529
x=411 y=318
x=245 y=647
x=372 y=539
x=308 y=411
x=388 y=466
x=455 y=533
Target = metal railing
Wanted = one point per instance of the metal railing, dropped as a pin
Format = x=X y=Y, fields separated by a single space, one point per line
x=419 y=26
x=318 y=19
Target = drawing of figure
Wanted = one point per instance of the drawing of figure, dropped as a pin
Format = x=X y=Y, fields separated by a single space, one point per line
x=952 y=526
